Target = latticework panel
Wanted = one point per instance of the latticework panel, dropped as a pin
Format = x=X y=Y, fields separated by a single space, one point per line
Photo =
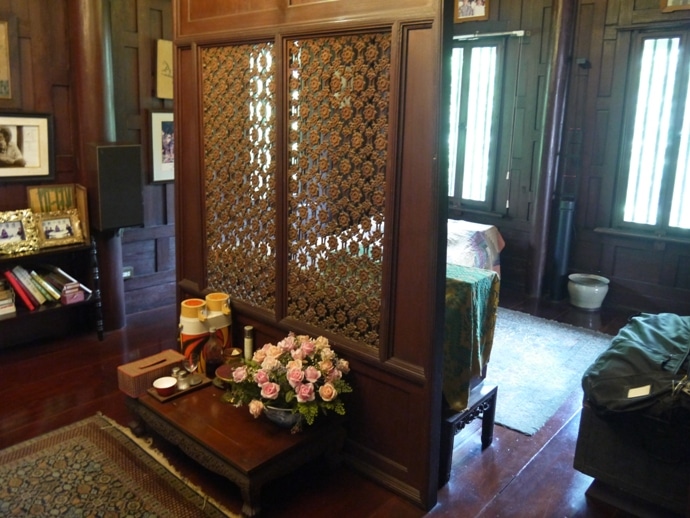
x=338 y=91
x=239 y=153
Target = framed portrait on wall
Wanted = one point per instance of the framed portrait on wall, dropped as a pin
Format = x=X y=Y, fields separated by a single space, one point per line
x=471 y=10
x=162 y=146
x=26 y=147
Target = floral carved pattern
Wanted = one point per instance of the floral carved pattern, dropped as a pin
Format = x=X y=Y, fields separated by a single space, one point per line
x=338 y=95
x=239 y=154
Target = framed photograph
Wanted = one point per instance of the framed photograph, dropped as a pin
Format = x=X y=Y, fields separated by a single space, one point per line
x=668 y=6
x=56 y=197
x=18 y=232
x=162 y=146
x=26 y=147
x=59 y=228
x=471 y=10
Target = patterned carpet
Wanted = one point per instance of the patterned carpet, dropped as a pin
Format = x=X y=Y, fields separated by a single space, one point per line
x=93 y=468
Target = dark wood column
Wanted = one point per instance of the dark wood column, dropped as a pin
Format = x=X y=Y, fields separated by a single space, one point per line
x=93 y=107
x=562 y=29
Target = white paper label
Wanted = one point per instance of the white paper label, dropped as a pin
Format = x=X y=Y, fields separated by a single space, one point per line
x=639 y=391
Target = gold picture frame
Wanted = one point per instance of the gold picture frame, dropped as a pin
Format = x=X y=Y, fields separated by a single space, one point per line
x=59 y=228
x=57 y=197
x=668 y=6
x=471 y=10
x=18 y=232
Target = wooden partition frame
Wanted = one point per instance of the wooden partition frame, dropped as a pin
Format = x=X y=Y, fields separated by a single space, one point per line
x=398 y=448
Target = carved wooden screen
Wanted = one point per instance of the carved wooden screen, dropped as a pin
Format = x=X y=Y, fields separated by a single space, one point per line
x=239 y=154
x=336 y=110
x=338 y=143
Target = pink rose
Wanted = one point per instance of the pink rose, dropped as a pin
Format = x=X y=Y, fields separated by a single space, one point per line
x=261 y=377
x=297 y=354
x=308 y=347
x=305 y=392
x=334 y=375
x=256 y=407
x=295 y=377
x=270 y=390
x=328 y=392
x=239 y=374
x=288 y=343
x=312 y=374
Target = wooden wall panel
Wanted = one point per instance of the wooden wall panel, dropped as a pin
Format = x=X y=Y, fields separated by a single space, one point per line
x=210 y=17
x=643 y=271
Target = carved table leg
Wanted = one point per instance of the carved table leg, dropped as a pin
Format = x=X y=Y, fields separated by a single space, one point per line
x=482 y=403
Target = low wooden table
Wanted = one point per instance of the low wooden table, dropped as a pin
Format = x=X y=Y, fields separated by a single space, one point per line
x=229 y=441
x=482 y=403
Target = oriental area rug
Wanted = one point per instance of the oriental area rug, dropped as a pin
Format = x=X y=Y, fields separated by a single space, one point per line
x=94 y=467
x=537 y=364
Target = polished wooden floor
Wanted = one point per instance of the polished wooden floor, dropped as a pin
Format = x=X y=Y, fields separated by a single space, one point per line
x=50 y=384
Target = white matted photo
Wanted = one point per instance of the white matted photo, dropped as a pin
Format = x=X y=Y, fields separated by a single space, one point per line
x=26 y=147
x=162 y=146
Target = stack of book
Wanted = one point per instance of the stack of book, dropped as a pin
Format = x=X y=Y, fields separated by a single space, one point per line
x=53 y=285
x=7 y=306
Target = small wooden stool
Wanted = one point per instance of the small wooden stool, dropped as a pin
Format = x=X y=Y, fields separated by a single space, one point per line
x=482 y=403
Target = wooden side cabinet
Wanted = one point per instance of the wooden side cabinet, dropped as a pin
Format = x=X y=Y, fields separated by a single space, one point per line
x=53 y=319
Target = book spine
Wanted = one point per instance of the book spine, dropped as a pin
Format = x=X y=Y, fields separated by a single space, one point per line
x=66 y=276
x=18 y=289
x=24 y=277
x=39 y=287
x=47 y=287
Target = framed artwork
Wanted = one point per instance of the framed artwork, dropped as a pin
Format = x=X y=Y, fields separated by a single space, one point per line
x=26 y=147
x=18 y=232
x=471 y=10
x=59 y=228
x=57 y=197
x=164 y=69
x=162 y=146
x=668 y=6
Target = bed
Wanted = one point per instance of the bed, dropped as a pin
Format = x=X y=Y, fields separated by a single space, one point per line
x=472 y=289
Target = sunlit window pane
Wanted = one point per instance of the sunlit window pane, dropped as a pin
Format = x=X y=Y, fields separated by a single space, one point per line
x=680 y=212
x=455 y=91
x=652 y=123
x=479 y=116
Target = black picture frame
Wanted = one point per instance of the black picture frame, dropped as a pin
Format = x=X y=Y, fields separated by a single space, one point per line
x=162 y=146
x=29 y=153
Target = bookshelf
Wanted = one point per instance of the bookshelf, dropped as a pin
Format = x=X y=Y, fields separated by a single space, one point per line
x=52 y=319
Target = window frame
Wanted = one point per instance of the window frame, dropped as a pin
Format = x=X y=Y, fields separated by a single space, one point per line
x=681 y=95
x=491 y=203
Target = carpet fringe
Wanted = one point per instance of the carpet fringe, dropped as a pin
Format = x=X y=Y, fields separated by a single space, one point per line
x=146 y=444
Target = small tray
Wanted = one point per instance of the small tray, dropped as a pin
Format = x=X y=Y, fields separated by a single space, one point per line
x=204 y=381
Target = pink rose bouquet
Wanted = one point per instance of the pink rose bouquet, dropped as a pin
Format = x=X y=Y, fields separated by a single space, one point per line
x=299 y=373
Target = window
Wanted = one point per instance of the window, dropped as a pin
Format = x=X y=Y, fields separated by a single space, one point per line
x=654 y=176
x=475 y=119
